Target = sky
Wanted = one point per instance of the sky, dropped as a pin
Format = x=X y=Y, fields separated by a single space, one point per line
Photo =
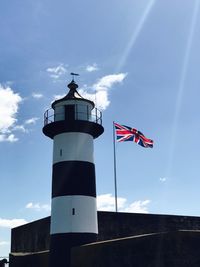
x=139 y=61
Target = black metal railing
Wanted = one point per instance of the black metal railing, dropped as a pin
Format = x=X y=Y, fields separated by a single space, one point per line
x=93 y=116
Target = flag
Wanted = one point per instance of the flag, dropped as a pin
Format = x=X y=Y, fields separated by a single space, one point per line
x=125 y=133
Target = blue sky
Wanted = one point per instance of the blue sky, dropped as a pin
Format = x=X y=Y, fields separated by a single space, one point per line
x=142 y=59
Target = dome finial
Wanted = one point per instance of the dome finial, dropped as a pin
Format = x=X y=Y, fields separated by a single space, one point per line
x=72 y=85
x=74 y=74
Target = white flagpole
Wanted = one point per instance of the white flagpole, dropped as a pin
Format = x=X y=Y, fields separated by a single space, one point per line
x=115 y=172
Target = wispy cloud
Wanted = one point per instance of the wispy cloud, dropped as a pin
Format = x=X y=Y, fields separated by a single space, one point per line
x=139 y=206
x=163 y=179
x=23 y=128
x=31 y=120
x=19 y=128
x=38 y=206
x=8 y=138
x=4 y=243
x=91 y=68
x=100 y=89
x=106 y=202
x=57 y=71
x=9 y=106
x=11 y=223
x=37 y=95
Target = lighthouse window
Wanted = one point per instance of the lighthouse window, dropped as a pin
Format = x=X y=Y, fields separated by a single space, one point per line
x=61 y=152
x=73 y=211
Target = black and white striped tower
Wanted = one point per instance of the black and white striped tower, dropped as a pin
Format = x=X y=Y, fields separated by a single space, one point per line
x=72 y=123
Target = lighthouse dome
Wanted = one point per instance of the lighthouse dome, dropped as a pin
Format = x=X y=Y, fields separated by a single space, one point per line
x=73 y=94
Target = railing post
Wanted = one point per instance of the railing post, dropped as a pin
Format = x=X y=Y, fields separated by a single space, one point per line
x=88 y=114
x=75 y=111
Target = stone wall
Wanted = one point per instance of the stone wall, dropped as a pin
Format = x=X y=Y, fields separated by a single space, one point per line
x=40 y=259
x=31 y=237
x=167 y=249
x=34 y=237
x=170 y=249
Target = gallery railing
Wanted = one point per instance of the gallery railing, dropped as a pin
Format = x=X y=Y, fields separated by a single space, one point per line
x=93 y=116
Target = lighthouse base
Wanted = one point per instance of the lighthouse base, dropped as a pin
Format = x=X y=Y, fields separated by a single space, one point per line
x=61 y=244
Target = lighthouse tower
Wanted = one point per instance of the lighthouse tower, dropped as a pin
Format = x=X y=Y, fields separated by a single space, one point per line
x=72 y=122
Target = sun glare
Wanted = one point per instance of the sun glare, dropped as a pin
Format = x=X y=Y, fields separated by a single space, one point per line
x=182 y=84
x=135 y=34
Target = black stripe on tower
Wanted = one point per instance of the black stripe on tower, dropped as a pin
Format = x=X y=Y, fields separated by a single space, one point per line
x=61 y=245
x=73 y=178
x=58 y=127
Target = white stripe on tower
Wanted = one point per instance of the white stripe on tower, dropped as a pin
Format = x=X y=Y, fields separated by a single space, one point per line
x=73 y=146
x=74 y=214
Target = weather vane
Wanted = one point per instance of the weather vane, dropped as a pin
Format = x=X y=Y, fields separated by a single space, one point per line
x=74 y=74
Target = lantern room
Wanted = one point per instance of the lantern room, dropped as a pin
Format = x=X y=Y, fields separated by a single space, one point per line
x=72 y=111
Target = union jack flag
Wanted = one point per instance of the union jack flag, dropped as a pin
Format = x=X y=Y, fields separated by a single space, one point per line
x=125 y=133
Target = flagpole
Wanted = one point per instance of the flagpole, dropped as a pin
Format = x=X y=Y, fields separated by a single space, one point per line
x=115 y=172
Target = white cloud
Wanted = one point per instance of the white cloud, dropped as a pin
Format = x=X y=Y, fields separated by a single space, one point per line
x=4 y=243
x=100 y=98
x=57 y=72
x=108 y=81
x=8 y=138
x=9 y=106
x=37 y=95
x=138 y=206
x=102 y=101
x=11 y=138
x=106 y=202
x=20 y=128
x=91 y=68
x=11 y=223
x=31 y=121
x=163 y=179
x=38 y=206
x=101 y=89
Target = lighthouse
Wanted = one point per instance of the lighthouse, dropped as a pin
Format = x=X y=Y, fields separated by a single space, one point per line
x=72 y=123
